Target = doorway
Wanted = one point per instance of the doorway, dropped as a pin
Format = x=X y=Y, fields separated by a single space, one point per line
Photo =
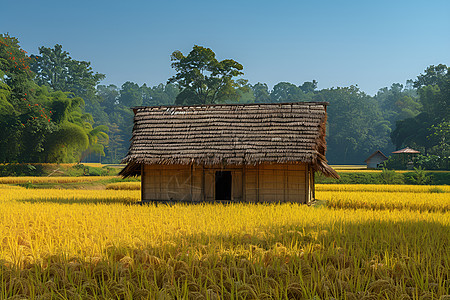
x=223 y=185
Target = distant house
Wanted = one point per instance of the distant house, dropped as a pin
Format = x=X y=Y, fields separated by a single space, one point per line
x=407 y=156
x=231 y=152
x=374 y=161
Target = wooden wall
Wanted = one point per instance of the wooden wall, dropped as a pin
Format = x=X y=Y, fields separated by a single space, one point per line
x=276 y=183
x=261 y=183
x=171 y=182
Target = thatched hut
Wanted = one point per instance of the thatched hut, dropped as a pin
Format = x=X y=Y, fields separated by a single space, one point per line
x=231 y=152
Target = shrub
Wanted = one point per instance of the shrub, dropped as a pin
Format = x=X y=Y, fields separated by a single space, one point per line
x=432 y=162
x=419 y=177
x=395 y=162
x=390 y=177
x=21 y=170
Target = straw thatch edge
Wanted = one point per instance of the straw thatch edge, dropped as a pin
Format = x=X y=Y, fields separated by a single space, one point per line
x=317 y=159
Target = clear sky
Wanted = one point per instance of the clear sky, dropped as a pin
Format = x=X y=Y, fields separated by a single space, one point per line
x=338 y=43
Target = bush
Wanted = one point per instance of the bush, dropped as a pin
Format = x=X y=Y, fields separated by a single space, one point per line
x=418 y=177
x=21 y=170
x=350 y=178
x=390 y=177
x=432 y=162
x=387 y=177
x=439 y=178
x=395 y=162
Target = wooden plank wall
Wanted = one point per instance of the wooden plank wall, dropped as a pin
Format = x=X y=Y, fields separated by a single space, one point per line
x=172 y=182
x=262 y=183
x=276 y=183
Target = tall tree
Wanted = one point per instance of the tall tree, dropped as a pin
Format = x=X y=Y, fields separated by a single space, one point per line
x=309 y=86
x=434 y=95
x=162 y=94
x=56 y=69
x=286 y=92
x=130 y=95
x=261 y=93
x=434 y=91
x=355 y=125
x=398 y=103
x=203 y=79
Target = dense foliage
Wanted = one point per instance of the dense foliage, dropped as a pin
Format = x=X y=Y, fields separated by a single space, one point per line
x=428 y=131
x=40 y=123
x=54 y=109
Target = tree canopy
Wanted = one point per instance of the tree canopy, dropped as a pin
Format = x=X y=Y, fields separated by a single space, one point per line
x=42 y=123
x=56 y=69
x=53 y=109
x=203 y=79
x=421 y=131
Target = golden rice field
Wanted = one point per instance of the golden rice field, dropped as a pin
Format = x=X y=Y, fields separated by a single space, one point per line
x=62 y=179
x=124 y=186
x=68 y=195
x=388 y=188
x=387 y=200
x=81 y=244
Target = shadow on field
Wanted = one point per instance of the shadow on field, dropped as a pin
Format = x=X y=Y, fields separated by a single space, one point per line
x=371 y=260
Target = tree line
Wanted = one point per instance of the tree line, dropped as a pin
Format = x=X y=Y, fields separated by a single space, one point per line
x=54 y=109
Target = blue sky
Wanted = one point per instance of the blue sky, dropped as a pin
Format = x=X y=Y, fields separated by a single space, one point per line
x=338 y=43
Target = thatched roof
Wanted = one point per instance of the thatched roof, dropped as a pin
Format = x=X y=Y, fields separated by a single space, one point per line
x=229 y=134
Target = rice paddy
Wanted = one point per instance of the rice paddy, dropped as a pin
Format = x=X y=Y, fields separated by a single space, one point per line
x=378 y=242
x=65 y=179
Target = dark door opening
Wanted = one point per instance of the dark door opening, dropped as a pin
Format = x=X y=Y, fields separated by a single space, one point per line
x=223 y=185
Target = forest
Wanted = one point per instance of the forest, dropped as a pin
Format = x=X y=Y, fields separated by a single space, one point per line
x=53 y=108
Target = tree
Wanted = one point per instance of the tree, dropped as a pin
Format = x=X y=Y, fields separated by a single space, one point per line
x=440 y=133
x=412 y=132
x=355 y=125
x=56 y=69
x=434 y=95
x=15 y=70
x=130 y=95
x=308 y=86
x=23 y=118
x=115 y=141
x=261 y=93
x=434 y=91
x=286 y=92
x=40 y=124
x=203 y=79
x=397 y=103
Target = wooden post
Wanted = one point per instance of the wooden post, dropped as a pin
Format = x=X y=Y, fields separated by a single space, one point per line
x=257 y=183
x=307 y=183
x=243 y=184
x=203 y=183
x=142 y=182
x=191 y=177
x=285 y=179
